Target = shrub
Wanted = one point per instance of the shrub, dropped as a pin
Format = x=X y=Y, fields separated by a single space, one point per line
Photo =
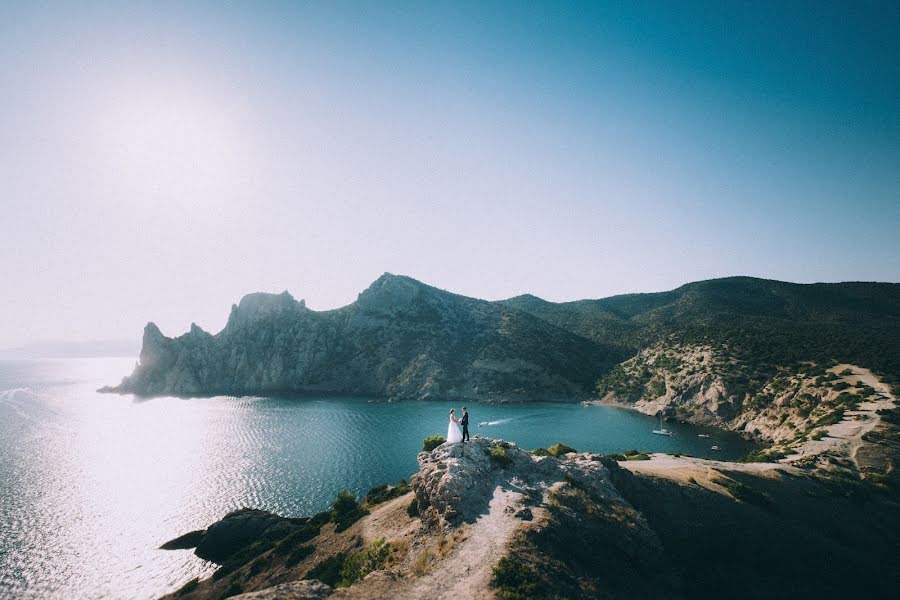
x=516 y=581
x=383 y=493
x=745 y=493
x=233 y=590
x=831 y=418
x=617 y=456
x=432 y=442
x=819 y=434
x=498 y=455
x=298 y=554
x=328 y=571
x=359 y=564
x=763 y=456
x=346 y=510
x=554 y=450
x=636 y=455
x=413 y=509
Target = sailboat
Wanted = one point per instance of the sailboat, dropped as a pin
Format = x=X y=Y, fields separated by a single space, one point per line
x=662 y=430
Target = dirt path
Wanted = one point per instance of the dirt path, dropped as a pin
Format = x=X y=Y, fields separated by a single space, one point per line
x=466 y=572
x=846 y=437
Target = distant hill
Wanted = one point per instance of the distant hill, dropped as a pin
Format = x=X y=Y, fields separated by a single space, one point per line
x=405 y=339
x=400 y=339
x=86 y=349
x=762 y=322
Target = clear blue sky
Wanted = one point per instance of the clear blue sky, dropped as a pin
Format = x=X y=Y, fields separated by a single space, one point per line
x=160 y=160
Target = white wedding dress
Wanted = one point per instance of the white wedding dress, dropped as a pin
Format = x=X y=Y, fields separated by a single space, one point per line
x=454 y=433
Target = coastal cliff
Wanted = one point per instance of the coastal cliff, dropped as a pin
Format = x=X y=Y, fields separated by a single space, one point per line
x=487 y=519
x=401 y=339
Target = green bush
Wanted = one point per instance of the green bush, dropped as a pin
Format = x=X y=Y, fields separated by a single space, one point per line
x=636 y=455
x=233 y=590
x=359 y=564
x=747 y=494
x=516 y=581
x=413 y=509
x=831 y=419
x=298 y=554
x=818 y=435
x=617 y=456
x=346 y=510
x=763 y=456
x=499 y=455
x=554 y=450
x=328 y=571
x=432 y=442
x=383 y=493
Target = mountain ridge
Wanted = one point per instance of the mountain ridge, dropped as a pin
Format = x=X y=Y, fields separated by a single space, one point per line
x=405 y=339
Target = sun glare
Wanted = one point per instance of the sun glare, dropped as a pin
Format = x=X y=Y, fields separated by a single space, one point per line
x=173 y=147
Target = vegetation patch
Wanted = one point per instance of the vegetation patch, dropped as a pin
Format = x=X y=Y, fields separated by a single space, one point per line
x=346 y=568
x=298 y=554
x=747 y=494
x=373 y=557
x=233 y=589
x=636 y=455
x=413 y=509
x=769 y=455
x=832 y=418
x=514 y=580
x=383 y=493
x=432 y=442
x=346 y=510
x=329 y=570
x=554 y=450
x=499 y=455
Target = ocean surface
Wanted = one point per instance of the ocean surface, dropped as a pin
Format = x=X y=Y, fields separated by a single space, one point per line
x=91 y=484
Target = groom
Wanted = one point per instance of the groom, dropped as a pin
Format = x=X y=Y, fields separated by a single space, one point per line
x=465 y=424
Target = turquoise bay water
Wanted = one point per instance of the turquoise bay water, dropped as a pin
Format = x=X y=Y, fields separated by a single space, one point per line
x=91 y=484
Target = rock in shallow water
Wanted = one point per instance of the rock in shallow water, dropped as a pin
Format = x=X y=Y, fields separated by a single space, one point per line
x=235 y=531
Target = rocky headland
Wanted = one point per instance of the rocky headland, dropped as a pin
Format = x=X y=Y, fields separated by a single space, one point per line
x=401 y=339
x=488 y=519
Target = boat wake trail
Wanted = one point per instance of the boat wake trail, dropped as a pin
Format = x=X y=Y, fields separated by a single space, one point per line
x=507 y=420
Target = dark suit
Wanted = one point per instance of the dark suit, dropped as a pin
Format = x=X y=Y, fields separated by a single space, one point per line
x=465 y=425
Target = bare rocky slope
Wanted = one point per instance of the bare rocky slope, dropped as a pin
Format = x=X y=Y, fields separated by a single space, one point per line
x=489 y=520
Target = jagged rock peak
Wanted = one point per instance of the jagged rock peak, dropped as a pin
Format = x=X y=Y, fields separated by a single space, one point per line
x=151 y=332
x=261 y=304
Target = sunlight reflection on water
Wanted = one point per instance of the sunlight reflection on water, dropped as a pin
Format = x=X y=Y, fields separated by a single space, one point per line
x=91 y=484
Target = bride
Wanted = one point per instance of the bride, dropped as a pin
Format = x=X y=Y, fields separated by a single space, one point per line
x=454 y=433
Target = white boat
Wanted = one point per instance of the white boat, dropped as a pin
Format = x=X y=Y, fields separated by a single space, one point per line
x=702 y=435
x=716 y=448
x=662 y=430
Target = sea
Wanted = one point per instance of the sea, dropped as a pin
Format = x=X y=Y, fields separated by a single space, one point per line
x=92 y=484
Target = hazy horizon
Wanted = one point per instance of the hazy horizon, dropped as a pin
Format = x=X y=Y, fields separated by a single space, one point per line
x=160 y=161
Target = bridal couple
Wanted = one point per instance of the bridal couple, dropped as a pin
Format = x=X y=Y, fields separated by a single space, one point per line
x=454 y=434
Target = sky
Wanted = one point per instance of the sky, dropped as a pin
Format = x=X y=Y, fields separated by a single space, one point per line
x=160 y=160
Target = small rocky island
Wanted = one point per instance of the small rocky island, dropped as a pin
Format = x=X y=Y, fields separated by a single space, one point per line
x=487 y=519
